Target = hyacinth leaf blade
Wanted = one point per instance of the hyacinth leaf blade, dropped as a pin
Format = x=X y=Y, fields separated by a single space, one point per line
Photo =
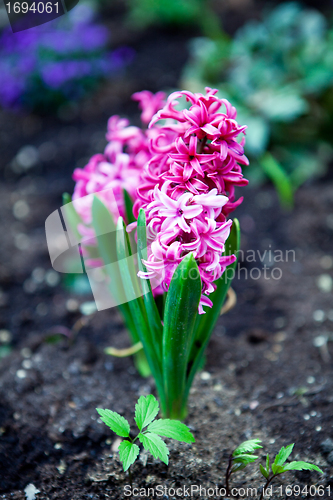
x=206 y=322
x=128 y=207
x=150 y=304
x=136 y=305
x=181 y=310
x=105 y=230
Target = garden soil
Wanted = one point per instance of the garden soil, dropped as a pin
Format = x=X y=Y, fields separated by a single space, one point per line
x=268 y=371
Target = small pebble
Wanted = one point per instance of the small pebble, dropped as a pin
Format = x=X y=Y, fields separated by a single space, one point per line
x=253 y=405
x=58 y=446
x=306 y=417
x=52 y=278
x=72 y=305
x=325 y=283
x=280 y=337
x=5 y=336
x=27 y=364
x=319 y=315
x=115 y=444
x=218 y=387
x=326 y=262
x=26 y=352
x=31 y=492
x=21 y=374
x=318 y=428
x=320 y=341
x=38 y=274
x=205 y=376
x=21 y=209
x=279 y=395
x=237 y=412
x=310 y=380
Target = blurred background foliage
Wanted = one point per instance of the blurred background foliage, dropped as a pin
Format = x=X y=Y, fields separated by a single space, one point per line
x=278 y=73
x=273 y=62
x=43 y=68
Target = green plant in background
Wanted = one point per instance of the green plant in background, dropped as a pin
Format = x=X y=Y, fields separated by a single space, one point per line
x=243 y=455
x=144 y=13
x=149 y=434
x=278 y=73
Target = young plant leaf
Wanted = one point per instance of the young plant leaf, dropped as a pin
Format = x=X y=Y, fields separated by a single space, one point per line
x=155 y=445
x=263 y=471
x=146 y=410
x=180 y=313
x=299 y=465
x=267 y=464
x=283 y=454
x=128 y=453
x=171 y=429
x=116 y=422
x=247 y=447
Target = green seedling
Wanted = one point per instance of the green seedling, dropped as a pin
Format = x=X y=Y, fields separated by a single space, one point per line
x=242 y=456
x=149 y=434
x=279 y=466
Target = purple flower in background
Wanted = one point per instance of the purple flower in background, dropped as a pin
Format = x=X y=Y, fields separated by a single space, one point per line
x=58 y=61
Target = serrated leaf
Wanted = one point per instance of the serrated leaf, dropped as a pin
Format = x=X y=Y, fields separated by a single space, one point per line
x=156 y=446
x=263 y=471
x=247 y=447
x=283 y=454
x=146 y=410
x=172 y=429
x=299 y=465
x=128 y=453
x=245 y=459
x=116 y=422
x=277 y=469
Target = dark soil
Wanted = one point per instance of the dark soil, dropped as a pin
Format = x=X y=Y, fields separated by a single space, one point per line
x=264 y=376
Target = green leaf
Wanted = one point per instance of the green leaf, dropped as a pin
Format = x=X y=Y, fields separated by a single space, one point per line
x=180 y=313
x=146 y=410
x=128 y=207
x=237 y=467
x=245 y=459
x=116 y=422
x=172 y=429
x=136 y=306
x=247 y=447
x=128 y=453
x=283 y=454
x=267 y=464
x=150 y=304
x=280 y=179
x=299 y=465
x=263 y=471
x=71 y=217
x=155 y=445
x=205 y=322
